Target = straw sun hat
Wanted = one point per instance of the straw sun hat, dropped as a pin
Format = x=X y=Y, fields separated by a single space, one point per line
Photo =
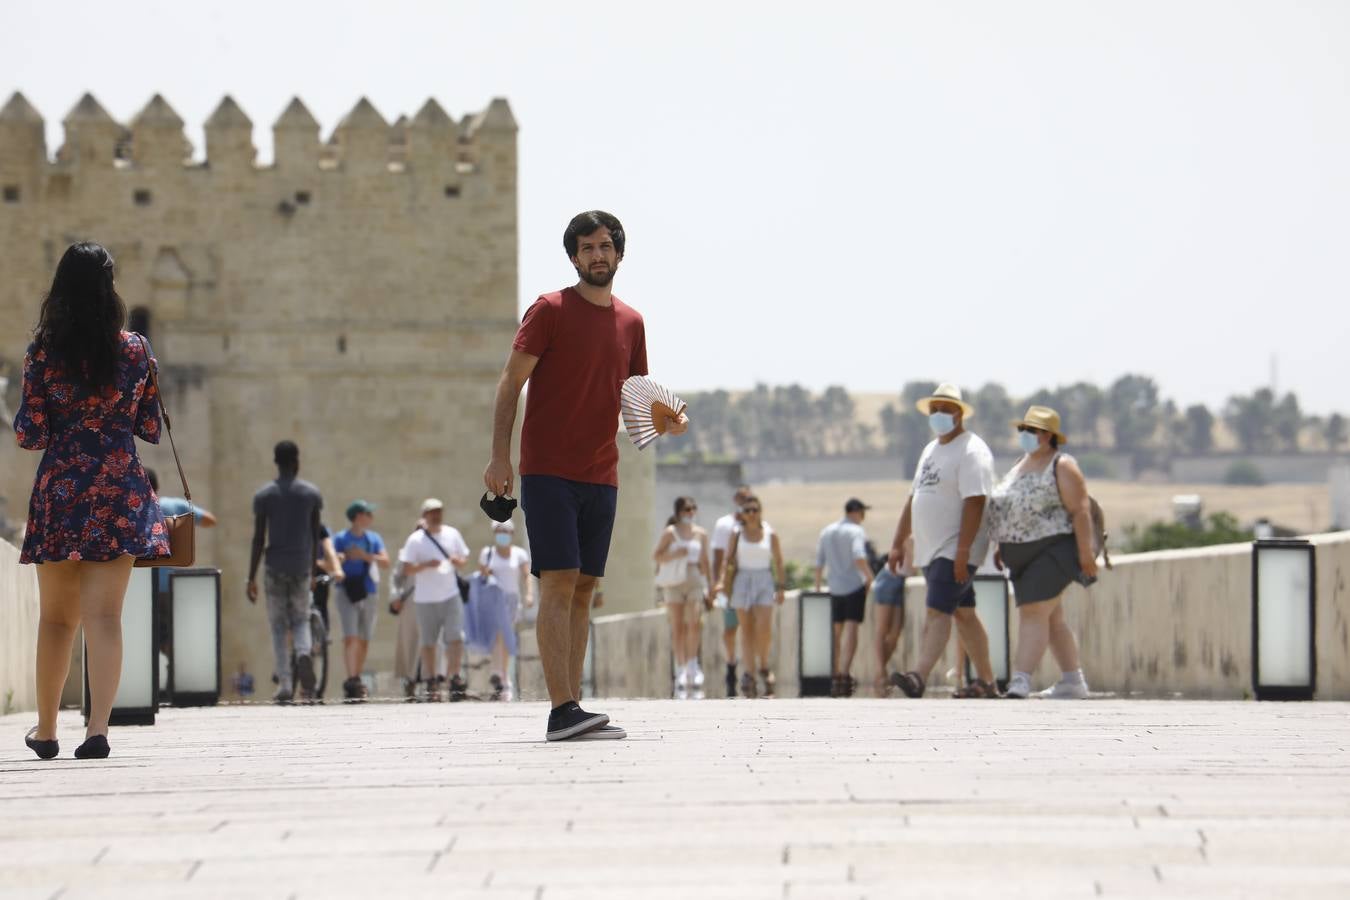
x=1044 y=418
x=949 y=392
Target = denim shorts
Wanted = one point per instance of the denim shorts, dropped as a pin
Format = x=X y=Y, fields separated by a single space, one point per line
x=944 y=594
x=569 y=523
x=888 y=589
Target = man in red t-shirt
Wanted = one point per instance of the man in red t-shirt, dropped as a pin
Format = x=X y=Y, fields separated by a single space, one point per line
x=576 y=347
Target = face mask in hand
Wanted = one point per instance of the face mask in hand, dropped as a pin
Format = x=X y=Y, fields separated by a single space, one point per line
x=941 y=423
x=498 y=509
x=503 y=539
x=1028 y=442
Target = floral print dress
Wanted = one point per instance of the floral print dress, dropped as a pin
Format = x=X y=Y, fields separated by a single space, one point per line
x=92 y=499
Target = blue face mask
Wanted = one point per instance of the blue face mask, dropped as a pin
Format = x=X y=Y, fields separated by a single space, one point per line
x=502 y=539
x=1029 y=442
x=941 y=423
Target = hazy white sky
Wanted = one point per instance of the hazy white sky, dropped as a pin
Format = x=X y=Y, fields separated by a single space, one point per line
x=855 y=193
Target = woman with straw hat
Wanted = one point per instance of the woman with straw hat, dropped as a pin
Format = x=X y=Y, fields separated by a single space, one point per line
x=1040 y=517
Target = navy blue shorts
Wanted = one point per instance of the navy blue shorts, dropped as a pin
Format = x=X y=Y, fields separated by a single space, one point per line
x=569 y=523
x=944 y=594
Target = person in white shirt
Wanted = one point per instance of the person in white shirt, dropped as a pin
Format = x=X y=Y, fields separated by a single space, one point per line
x=945 y=512
x=433 y=554
x=509 y=567
x=720 y=543
x=681 y=556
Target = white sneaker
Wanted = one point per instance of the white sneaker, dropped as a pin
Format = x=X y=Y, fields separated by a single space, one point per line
x=696 y=673
x=1019 y=686
x=682 y=678
x=1065 y=690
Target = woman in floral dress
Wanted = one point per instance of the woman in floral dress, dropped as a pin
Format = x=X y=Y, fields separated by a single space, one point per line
x=86 y=393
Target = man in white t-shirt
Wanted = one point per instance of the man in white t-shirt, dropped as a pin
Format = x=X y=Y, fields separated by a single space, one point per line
x=433 y=554
x=945 y=512
x=722 y=531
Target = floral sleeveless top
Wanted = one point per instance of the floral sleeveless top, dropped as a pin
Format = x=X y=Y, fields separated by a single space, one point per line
x=1026 y=506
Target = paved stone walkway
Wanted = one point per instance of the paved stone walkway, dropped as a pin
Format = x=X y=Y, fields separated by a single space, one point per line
x=714 y=799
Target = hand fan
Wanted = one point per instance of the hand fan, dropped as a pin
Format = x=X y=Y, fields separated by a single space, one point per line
x=648 y=409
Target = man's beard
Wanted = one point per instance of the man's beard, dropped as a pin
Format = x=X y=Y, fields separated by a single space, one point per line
x=597 y=278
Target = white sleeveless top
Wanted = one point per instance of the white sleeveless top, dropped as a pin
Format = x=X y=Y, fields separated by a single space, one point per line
x=754 y=556
x=1027 y=507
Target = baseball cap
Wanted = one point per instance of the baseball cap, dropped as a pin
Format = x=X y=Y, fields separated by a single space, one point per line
x=356 y=507
x=431 y=503
x=855 y=505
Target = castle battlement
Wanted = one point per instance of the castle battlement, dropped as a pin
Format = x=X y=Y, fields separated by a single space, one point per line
x=154 y=143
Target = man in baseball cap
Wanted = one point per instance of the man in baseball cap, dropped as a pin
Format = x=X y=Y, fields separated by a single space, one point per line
x=841 y=554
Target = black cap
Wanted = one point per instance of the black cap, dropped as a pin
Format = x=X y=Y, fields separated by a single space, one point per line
x=855 y=505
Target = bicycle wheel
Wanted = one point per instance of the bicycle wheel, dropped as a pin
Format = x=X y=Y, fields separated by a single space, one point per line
x=320 y=652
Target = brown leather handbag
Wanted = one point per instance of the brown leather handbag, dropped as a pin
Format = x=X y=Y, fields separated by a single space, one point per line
x=182 y=529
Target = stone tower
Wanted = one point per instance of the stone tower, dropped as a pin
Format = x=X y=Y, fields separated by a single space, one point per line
x=357 y=296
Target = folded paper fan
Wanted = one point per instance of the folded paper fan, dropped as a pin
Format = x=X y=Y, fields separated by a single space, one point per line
x=648 y=409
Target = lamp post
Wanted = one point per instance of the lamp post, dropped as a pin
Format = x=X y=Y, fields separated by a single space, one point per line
x=1284 y=619
x=991 y=605
x=815 y=644
x=194 y=657
x=138 y=689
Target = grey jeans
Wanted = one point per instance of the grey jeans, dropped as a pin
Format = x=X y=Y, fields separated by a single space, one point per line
x=288 y=602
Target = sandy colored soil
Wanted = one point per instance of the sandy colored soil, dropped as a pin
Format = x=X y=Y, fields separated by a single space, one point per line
x=799 y=511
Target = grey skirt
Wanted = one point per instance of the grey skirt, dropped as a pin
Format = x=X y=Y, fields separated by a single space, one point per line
x=1042 y=569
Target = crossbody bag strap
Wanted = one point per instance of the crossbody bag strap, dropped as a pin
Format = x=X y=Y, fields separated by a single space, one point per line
x=164 y=414
x=436 y=542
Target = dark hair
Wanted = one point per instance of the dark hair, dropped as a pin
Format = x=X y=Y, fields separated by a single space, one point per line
x=751 y=498
x=154 y=479
x=681 y=504
x=1054 y=442
x=286 y=455
x=586 y=223
x=82 y=316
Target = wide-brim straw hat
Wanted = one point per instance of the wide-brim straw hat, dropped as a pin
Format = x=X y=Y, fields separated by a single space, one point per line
x=1044 y=418
x=949 y=392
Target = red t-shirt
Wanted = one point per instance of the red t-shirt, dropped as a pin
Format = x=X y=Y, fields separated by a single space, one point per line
x=585 y=352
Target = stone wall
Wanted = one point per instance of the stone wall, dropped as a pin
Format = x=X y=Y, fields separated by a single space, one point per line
x=1157 y=625
x=18 y=631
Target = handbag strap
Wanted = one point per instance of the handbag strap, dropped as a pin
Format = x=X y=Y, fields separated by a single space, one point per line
x=164 y=414
x=424 y=530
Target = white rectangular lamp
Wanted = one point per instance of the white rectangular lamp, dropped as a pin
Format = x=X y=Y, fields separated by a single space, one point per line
x=815 y=644
x=1284 y=620
x=194 y=658
x=138 y=690
x=991 y=605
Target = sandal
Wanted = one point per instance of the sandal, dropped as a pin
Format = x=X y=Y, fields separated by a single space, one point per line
x=911 y=683
x=748 y=688
x=977 y=690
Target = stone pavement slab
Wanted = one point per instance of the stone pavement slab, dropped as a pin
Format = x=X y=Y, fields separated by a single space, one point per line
x=714 y=799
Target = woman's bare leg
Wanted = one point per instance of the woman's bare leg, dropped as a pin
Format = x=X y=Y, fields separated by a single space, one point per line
x=59 y=592
x=675 y=614
x=763 y=616
x=1033 y=633
x=103 y=587
x=1063 y=644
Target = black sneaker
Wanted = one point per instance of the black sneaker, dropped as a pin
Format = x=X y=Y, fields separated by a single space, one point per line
x=731 y=679
x=304 y=670
x=497 y=687
x=458 y=689
x=570 y=720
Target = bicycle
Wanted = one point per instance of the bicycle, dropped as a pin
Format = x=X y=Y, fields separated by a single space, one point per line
x=318 y=647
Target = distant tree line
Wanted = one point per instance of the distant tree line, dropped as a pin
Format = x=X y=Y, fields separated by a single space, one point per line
x=1129 y=416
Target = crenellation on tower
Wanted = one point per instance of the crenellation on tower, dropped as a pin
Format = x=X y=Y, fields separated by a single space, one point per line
x=295 y=139
x=229 y=138
x=433 y=140
x=362 y=139
x=157 y=138
x=92 y=136
x=23 y=150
